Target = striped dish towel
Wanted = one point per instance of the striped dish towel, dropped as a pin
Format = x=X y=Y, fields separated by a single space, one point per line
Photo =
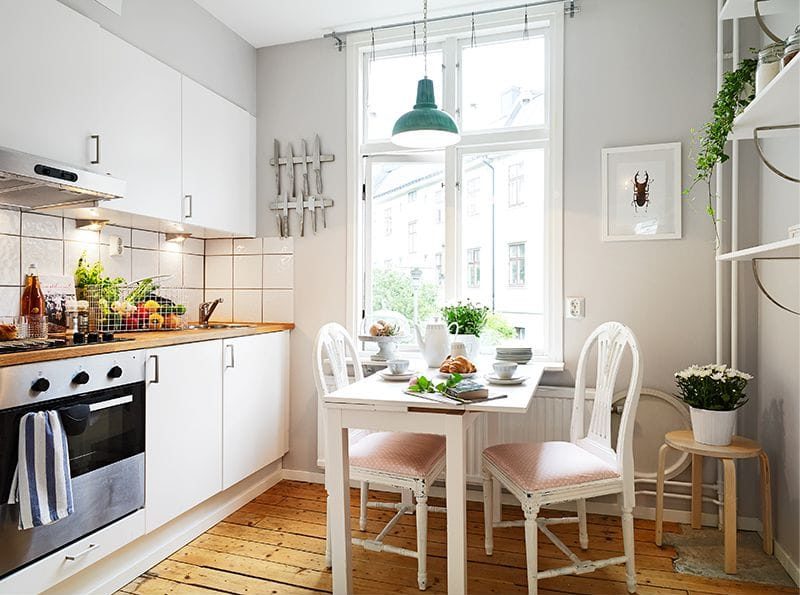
x=42 y=483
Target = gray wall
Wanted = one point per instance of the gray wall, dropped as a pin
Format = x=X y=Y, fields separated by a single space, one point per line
x=621 y=88
x=184 y=36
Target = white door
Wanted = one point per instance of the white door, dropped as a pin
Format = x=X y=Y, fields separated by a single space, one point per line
x=49 y=61
x=140 y=129
x=218 y=162
x=255 y=404
x=183 y=429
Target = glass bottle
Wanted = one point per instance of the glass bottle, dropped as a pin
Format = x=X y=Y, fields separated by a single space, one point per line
x=32 y=305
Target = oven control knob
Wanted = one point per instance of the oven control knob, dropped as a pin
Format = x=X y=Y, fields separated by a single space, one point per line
x=81 y=378
x=115 y=372
x=40 y=385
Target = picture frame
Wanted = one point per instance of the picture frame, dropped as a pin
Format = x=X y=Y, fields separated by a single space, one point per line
x=642 y=195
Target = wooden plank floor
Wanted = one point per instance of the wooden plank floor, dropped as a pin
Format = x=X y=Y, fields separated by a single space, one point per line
x=276 y=544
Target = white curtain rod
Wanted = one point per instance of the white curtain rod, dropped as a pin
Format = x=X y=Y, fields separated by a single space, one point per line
x=338 y=36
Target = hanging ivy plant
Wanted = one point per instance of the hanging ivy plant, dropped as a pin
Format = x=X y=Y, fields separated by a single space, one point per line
x=736 y=93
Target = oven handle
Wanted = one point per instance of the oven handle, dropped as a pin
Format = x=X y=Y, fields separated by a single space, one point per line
x=81 y=554
x=110 y=403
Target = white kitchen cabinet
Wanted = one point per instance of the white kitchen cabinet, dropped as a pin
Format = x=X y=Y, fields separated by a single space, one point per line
x=140 y=129
x=218 y=162
x=255 y=409
x=183 y=434
x=49 y=60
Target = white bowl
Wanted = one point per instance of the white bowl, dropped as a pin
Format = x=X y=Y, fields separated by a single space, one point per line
x=504 y=370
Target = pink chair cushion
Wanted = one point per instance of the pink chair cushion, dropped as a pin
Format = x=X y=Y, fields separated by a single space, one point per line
x=546 y=465
x=400 y=453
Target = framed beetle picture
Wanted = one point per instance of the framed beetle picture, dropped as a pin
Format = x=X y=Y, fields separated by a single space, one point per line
x=642 y=193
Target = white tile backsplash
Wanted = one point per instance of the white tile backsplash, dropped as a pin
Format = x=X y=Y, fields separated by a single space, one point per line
x=224 y=311
x=116 y=266
x=86 y=236
x=247 y=272
x=278 y=271
x=9 y=260
x=47 y=255
x=193 y=271
x=277 y=305
x=247 y=305
x=171 y=263
x=9 y=221
x=113 y=230
x=219 y=247
x=247 y=246
x=194 y=246
x=74 y=250
x=35 y=225
x=144 y=263
x=278 y=245
x=9 y=301
x=144 y=239
x=219 y=272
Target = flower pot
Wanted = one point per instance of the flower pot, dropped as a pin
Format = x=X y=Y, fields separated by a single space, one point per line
x=471 y=343
x=713 y=427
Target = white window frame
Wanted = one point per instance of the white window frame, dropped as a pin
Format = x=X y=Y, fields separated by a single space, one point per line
x=452 y=34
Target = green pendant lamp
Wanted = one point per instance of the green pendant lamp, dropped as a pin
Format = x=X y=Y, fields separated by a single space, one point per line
x=425 y=126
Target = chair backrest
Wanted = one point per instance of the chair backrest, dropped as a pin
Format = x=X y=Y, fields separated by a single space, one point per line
x=334 y=344
x=611 y=338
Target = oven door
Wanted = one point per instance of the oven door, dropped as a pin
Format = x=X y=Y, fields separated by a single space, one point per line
x=106 y=452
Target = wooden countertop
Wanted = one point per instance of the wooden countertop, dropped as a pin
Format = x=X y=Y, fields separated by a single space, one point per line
x=142 y=340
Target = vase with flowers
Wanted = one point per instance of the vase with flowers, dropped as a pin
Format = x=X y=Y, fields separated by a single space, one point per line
x=714 y=393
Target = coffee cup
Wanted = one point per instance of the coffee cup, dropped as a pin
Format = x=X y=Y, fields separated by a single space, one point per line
x=504 y=370
x=398 y=366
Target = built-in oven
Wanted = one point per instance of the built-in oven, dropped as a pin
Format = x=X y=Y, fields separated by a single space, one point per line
x=101 y=401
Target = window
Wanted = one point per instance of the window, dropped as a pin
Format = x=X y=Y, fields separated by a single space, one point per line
x=412 y=237
x=515 y=181
x=474 y=267
x=516 y=264
x=483 y=218
x=387 y=221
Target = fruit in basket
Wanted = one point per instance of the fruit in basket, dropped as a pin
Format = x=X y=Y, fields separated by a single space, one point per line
x=172 y=321
x=155 y=321
x=151 y=306
x=381 y=328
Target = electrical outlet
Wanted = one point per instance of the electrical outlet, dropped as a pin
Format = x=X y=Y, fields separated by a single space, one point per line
x=115 y=247
x=576 y=307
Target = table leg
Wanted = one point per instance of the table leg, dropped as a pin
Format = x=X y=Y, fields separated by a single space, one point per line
x=456 y=462
x=697 y=491
x=492 y=438
x=766 y=503
x=730 y=515
x=662 y=457
x=337 y=482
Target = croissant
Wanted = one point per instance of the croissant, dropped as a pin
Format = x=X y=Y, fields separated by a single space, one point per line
x=457 y=365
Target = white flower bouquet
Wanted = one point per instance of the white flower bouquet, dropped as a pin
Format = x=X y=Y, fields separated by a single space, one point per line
x=713 y=387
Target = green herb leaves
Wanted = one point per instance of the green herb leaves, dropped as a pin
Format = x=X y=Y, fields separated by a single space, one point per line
x=424 y=385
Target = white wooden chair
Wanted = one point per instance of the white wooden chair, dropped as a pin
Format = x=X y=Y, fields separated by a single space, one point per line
x=587 y=466
x=403 y=460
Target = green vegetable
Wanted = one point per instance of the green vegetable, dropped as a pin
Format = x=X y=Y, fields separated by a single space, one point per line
x=423 y=385
x=106 y=288
x=141 y=291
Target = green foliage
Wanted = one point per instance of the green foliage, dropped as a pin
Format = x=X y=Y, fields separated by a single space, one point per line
x=712 y=387
x=392 y=290
x=87 y=275
x=734 y=95
x=498 y=326
x=424 y=385
x=471 y=318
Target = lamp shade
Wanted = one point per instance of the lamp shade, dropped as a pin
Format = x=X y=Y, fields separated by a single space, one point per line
x=425 y=126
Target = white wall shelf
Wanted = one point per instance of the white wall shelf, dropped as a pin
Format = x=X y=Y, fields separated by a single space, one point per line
x=738 y=9
x=782 y=249
x=776 y=104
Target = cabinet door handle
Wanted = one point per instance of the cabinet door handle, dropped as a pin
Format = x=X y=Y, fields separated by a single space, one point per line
x=231 y=363
x=156 y=370
x=188 y=199
x=79 y=555
x=96 y=139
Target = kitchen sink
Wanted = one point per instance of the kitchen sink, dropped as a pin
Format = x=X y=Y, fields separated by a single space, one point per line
x=217 y=325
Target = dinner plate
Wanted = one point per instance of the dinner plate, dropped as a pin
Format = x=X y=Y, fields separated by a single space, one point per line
x=505 y=381
x=397 y=377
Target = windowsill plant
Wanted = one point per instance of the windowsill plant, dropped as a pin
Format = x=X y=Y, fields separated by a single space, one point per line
x=714 y=393
x=466 y=321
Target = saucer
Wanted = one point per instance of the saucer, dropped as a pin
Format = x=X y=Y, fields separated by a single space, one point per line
x=448 y=374
x=505 y=381
x=386 y=375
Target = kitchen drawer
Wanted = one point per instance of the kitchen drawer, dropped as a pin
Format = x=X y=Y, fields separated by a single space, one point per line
x=56 y=567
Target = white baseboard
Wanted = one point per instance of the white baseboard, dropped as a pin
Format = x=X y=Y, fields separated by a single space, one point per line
x=791 y=567
x=118 y=569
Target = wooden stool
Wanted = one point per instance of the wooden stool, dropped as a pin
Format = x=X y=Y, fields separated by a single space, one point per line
x=739 y=448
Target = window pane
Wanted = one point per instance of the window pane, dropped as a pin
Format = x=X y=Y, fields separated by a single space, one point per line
x=503 y=84
x=407 y=243
x=503 y=248
x=392 y=88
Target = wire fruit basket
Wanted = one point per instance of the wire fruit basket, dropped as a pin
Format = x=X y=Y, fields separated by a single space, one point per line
x=145 y=305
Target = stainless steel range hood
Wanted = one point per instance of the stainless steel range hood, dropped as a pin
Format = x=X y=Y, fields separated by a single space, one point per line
x=31 y=182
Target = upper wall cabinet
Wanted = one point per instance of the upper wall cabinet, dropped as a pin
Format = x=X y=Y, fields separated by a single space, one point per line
x=49 y=59
x=140 y=129
x=218 y=162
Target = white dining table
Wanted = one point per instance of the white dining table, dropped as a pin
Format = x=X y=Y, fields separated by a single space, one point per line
x=380 y=405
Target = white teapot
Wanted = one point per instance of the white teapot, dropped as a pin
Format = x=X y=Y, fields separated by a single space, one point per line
x=435 y=345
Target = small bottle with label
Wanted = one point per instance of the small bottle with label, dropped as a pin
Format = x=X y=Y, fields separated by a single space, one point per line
x=32 y=305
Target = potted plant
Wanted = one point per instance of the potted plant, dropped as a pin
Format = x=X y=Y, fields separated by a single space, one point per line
x=713 y=392
x=466 y=321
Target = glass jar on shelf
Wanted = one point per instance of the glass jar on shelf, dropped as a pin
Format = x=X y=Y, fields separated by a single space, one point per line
x=769 y=65
x=792 y=47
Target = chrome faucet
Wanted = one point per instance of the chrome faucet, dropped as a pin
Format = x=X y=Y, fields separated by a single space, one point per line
x=206 y=310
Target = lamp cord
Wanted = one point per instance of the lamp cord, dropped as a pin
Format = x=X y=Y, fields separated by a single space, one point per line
x=425 y=35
